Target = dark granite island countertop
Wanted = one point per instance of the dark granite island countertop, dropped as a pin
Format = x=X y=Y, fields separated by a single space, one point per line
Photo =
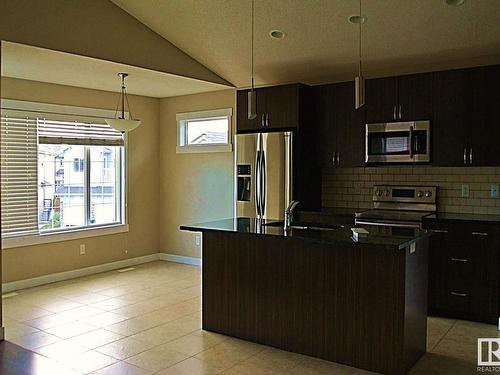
x=386 y=237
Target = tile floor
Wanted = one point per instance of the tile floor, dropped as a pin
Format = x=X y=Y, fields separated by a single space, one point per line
x=148 y=321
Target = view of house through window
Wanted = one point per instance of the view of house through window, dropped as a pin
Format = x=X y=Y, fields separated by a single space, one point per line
x=64 y=188
x=207 y=131
x=204 y=131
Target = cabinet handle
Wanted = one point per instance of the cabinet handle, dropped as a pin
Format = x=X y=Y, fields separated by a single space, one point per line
x=465 y=156
x=400 y=112
x=338 y=158
x=333 y=158
x=458 y=294
x=267 y=120
x=394 y=113
x=463 y=260
x=479 y=233
x=470 y=156
x=262 y=121
x=440 y=231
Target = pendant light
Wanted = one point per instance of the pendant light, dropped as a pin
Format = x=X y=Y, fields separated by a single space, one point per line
x=359 y=81
x=252 y=95
x=120 y=123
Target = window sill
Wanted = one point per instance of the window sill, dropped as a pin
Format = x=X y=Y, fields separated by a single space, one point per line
x=203 y=149
x=67 y=235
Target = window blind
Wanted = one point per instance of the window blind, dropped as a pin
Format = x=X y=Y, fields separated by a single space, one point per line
x=71 y=132
x=18 y=159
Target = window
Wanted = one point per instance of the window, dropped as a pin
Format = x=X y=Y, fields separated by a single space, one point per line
x=205 y=131
x=59 y=172
x=78 y=165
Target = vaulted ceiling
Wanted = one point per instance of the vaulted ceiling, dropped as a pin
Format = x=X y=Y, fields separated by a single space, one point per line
x=320 y=45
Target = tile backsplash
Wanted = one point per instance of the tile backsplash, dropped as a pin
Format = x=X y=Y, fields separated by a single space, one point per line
x=351 y=188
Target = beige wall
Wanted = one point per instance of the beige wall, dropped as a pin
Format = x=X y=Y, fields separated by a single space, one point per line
x=143 y=188
x=351 y=188
x=193 y=187
x=95 y=28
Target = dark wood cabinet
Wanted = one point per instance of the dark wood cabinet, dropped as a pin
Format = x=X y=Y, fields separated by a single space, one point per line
x=340 y=137
x=465 y=122
x=484 y=121
x=381 y=100
x=403 y=98
x=451 y=106
x=279 y=108
x=464 y=270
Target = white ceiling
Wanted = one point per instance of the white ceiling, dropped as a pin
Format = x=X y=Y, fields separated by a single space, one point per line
x=38 y=64
x=400 y=36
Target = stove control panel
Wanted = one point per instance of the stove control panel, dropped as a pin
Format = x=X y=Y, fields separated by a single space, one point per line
x=408 y=194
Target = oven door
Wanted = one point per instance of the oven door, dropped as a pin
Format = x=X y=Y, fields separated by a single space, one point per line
x=398 y=142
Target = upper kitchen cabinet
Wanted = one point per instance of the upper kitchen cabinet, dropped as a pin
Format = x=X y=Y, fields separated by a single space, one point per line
x=340 y=137
x=484 y=121
x=403 y=98
x=466 y=117
x=451 y=107
x=279 y=108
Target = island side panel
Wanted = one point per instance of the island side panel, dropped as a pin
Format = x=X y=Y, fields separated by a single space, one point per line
x=415 y=335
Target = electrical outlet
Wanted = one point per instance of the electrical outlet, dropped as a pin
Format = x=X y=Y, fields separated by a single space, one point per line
x=465 y=191
x=125 y=251
x=82 y=249
x=198 y=240
x=494 y=191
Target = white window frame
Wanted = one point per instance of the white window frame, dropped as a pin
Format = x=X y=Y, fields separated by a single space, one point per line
x=184 y=118
x=77 y=232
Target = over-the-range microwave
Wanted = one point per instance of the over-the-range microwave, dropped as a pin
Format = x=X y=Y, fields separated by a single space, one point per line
x=398 y=142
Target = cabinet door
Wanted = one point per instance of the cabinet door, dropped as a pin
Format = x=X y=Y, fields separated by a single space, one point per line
x=485 y=110
x=348 y=126
x=451 y=108
x=281 y=106
x=415 y=97
x=381 y=99
x=243 y=124
x=326 y=140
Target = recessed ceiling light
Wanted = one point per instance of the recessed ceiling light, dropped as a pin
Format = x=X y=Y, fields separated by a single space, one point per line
x=455 y=3
x=357 y=19
x=276 y=34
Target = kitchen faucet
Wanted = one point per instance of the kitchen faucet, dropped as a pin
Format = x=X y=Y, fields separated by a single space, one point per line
x=289 y=214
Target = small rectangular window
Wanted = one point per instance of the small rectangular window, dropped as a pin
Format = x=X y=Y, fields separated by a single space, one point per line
x=206 y=131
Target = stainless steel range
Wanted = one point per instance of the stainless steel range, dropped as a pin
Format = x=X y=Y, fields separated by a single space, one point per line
x=399 y=206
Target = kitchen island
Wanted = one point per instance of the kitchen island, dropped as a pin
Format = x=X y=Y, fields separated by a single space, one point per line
x=318 y=292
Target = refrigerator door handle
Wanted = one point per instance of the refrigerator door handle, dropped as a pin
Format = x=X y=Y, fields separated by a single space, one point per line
x=257 y=184
x=264 y=182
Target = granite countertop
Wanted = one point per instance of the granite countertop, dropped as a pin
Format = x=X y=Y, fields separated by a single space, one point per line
x=449 y=216
x=387 y=237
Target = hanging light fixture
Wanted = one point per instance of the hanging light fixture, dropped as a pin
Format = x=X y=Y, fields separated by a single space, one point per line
x=359 y=81
x=252 y=95
x=120 y=123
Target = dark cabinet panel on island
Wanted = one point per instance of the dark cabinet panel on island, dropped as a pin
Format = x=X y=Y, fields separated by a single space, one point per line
x=464 y=270
x=279 y=108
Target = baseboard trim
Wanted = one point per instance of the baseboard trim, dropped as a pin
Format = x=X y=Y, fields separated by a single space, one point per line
x=60 y=276
x=180 y=259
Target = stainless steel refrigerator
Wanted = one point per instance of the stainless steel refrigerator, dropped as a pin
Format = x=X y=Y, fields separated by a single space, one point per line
x=263 y=174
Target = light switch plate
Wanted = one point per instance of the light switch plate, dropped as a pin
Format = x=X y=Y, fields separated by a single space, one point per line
x=494 y=191
x=465 y=191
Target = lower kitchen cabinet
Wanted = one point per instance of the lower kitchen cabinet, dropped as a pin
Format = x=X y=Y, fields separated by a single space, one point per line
x=464 y=270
